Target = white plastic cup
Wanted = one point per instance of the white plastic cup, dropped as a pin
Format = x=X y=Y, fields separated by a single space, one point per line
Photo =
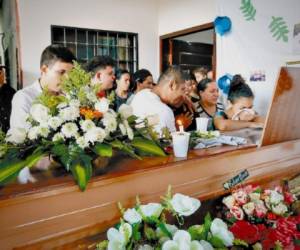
x=202 y=123
x=180 y=143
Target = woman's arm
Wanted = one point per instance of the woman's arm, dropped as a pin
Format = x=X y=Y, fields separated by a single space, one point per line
x=226 y=125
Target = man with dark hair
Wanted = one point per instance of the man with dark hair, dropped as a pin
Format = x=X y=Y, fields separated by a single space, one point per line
x=102 y=69
x=169 y=90
x=56 y=61
x=6 y=95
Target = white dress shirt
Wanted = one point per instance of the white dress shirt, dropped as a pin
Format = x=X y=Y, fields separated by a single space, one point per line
x=146 y=103
x=21 y=104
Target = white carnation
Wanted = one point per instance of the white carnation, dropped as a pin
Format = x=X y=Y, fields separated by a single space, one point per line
x=16 y=135
x=125 y=111
x=109 y=122
x=58 y=137
x=95 y=134
x=87 y=125
x=69 y=113
x=54 y=122
x=62 y=105
x=39 y=113
x=82 y=142
x=33 y=133
x=102 y=105
x=69 y=130
x=44 y=131
x=74 y=103
x=90 y=95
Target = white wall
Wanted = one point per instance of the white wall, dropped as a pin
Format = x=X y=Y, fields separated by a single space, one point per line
x=176 y=15
x=36 y=16
x=250 y=45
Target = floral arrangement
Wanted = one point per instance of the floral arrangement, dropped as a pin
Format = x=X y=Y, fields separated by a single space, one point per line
x=263 y=218
x=147 y=226
x=75 y=128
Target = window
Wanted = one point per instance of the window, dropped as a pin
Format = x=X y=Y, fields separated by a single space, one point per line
x=86 y=43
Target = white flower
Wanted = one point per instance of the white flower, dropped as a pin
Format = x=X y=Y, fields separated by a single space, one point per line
x=44 y=131
x=109 y=121
x=119 y=238
x=125 y=111
x=33 y=133
x=279 y=209
x=151 y=209
x=153 y=119
x=58 y=137
x=69 y=130
x=249 y=208
x=86 y=125
x=82 y=142
x=229 y=201
x=39 y=113
x=184 y=205
x=62 y=105
x=95 y=134
x=171 y=228
x=102 y=105
x=132 y=216
x=55 y=122
x=129 y=130
x=91 y=96
x=219 y=229
x=254 y=196
x=145 y=247
x=69 y=113
x=74 y=103
x=122 y=128
x=206 y=245
x=16 y=135
x=182 y=241
x=276 y=197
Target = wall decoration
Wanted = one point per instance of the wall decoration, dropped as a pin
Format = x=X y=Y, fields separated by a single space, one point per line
x=224 y=83
x=296 y=39
x=279 y=29
x=258 y=76
x=222 y=25
x=248 y=10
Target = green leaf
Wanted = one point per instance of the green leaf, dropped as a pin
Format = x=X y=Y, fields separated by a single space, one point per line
x=147 y=146
x=197 y=232
x=9 y=169
x=82 y=174
x=216 y=242
x=136 y=235
x=103 y=149
x=248 y=10
x=164 y=229
x=279 y=29
x=149 y=233
x=238 y=242
x=207 y=224
x=102 y=245
x=124 y=148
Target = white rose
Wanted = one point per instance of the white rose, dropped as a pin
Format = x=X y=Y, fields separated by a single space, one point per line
x=151 y=209
x=39 y=113
x=219 y=229
x=16 y=135
x=109 y=121
x=279 y=209
x=119 y=238
x=58 y=137
x=82 y=143
x=95 y=134
x=254 y=196
x=102 y=105
x=182 y=240
x=229 y=201
x=55 y=122
x=69 y=130
x=249 y=208
x=132 y=216
x=69 y=113
x=125 y=111
x=184 y=205
x=171 y=228
x=276 y=197
x=86 y=125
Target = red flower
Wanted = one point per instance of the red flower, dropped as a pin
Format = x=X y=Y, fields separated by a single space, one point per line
x=101 y=94
x=250 y=233
x=288 y=198
x=271 y=216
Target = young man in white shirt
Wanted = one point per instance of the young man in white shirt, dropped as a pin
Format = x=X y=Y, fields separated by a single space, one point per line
x=56 y=61
x=170 y=90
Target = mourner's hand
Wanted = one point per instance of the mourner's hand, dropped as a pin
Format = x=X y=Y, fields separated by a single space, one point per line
x=246 y=116
x=256 y=124
x=188 y=102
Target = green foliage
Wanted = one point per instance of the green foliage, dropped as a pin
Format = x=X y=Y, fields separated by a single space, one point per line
x=136 y=235
x=216 y=242
x=279 y=29
x=238 y=242
x=76 y=78
x=102 y=245
x=49 y=100
x=82 y=171
x=207 y=224
x=147 y=147
x=248 y=10
x=2 y=136
x=125 y=148
x=197 y=232
x=103 y=149
x=149 y=233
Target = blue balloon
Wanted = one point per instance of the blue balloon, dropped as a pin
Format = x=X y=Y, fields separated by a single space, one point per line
x=224 y=83
x=222 y=25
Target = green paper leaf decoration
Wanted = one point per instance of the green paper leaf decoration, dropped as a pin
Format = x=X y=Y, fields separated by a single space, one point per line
x=248 y=10
x=279 y=29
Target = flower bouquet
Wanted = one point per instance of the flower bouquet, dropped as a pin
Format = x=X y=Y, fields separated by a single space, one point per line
x=75 y=128
x=263 y=219
x=147 y=226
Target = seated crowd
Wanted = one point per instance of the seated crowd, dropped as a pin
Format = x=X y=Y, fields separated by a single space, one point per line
x=177 y=96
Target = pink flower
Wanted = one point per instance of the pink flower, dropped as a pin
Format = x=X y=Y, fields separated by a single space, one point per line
x=237 y=212
x=260 y=210
x=289 y=198
x=241 y=197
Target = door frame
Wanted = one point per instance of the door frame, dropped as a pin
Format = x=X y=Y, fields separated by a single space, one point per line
x=187 y=31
